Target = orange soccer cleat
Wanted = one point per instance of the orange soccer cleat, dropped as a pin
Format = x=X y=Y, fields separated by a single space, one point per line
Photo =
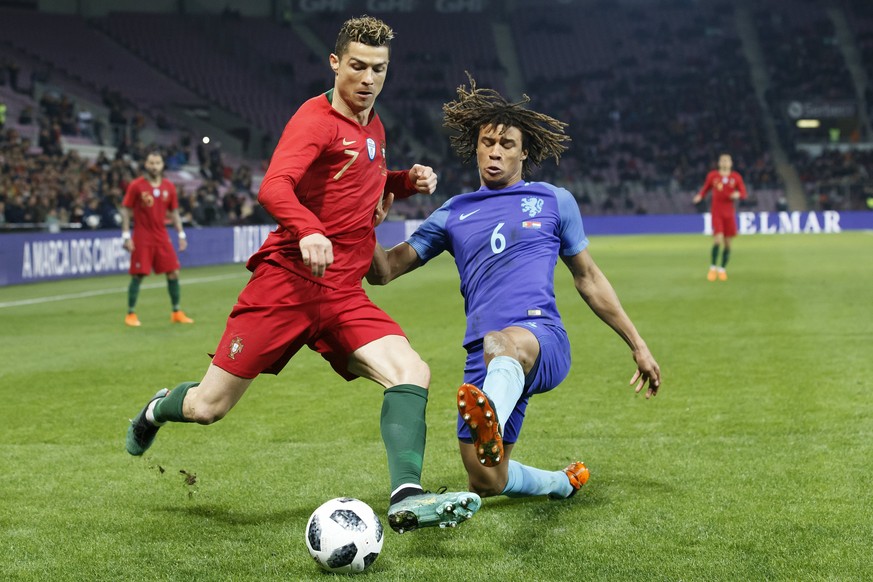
x=477 y=412
x=578 y=475
x=712 y=275
x=722 y=275
x=180 y=317
x=132 y=320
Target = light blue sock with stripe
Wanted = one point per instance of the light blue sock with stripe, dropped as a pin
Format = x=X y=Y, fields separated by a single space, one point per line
x=527 y=481
x=504 y=384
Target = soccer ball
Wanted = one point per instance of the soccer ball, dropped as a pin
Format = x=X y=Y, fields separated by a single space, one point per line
x=344 y=535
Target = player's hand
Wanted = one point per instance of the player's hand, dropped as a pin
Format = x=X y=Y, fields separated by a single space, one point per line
x=183 y=244
x=382 y=208
x=648 y=373
x=128 y=245
x=696 y=200
x=423 y=178
x=735 y=195
x=317 y=252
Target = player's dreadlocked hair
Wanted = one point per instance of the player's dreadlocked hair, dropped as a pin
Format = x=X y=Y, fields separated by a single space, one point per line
x=542 y=136
x=365 y=30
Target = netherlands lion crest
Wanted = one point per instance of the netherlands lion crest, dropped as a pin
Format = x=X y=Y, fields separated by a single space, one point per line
x=532 y=206
x=236 y=347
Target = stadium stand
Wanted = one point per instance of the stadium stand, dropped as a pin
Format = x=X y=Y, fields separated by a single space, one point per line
x=652 y=93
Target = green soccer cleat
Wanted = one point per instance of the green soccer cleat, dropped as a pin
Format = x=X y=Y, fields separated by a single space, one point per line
x=141 y=432
x=433 y=509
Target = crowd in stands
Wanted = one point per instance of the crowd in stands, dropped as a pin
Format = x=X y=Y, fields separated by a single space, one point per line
x=657 y=97
x=837 y=180
x=43 y=186
x=56 y=189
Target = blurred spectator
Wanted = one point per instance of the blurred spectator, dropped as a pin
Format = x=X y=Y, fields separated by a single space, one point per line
x=242 y=179
x=85 y=123
x=12 y=70
x=667 y=89
x=25 y=116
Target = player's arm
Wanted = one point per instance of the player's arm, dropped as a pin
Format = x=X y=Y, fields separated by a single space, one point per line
x=176 y=218
x=126 y=214
x=429 y=240
x=301 y=143
x=389 y=264
x=418 y=179
x=125 y=229
x=740 y=192
x=598 y=293
x=707 y=184
x=382 y=208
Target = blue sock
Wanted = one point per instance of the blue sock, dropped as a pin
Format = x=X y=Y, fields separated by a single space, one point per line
x=527 y=481
x=504 y=384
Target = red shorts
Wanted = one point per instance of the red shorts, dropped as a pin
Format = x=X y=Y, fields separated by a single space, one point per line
x=725 y=224
x=279 y=312
x=158 y=256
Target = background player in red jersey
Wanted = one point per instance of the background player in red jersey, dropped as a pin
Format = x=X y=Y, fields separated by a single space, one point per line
x=149 y=198
x=727 y=187
x=325 y=181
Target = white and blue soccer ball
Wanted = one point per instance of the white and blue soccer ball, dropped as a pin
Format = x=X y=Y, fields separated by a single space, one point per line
x=344 y=535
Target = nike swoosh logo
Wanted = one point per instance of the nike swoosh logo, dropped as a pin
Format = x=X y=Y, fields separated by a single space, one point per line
x=347 y=142
x=468 y=214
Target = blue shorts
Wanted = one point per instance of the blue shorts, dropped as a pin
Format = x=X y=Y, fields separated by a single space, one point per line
x=550 y=369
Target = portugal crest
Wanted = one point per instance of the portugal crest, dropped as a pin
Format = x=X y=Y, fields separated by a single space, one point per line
x=236 y=347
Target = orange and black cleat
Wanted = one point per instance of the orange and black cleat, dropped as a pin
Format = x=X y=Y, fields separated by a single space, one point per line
x=132 y=320
x=578 y=475
x=476 y=410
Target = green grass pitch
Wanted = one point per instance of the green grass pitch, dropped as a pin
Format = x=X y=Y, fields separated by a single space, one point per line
x=754 y=462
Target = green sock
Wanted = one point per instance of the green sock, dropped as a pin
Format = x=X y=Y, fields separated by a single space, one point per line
x=175 y=292
x=715 y=249
x=169 y=408
x=133 y=293
x=724 y=258
x=404 y=431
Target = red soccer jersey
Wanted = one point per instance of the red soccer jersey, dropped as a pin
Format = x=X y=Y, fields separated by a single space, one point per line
x=150 y=205
x=722 y=188
x=326 y=176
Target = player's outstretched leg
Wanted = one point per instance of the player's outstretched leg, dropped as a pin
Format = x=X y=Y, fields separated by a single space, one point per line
x=479 y=415
x=141 y=432
x=526 y=481
x=443 y=509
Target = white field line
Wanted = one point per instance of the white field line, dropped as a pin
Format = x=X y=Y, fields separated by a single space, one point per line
x=97 y=292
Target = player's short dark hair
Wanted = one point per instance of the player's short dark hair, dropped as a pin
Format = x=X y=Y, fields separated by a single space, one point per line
x=365 y=30
x=542 y=136
x=151 y=153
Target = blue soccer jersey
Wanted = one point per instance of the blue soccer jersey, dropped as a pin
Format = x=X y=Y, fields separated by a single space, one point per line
x=506 y=244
